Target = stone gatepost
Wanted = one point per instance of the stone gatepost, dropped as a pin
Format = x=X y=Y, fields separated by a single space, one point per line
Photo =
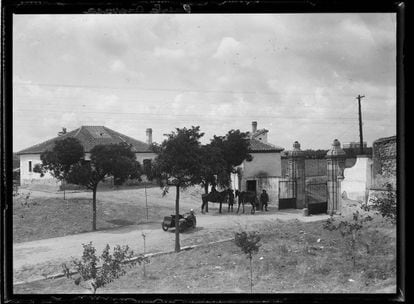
x=335 y=171
x=296 y=171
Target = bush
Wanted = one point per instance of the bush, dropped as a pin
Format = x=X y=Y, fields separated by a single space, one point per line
x=111 y=268
x=384 y=203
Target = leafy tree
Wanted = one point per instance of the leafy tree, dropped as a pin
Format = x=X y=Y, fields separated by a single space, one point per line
x=235 y=149
x=212 y=167
x=178 y=164
x=97 y=271
x=115 y=160
x=60 y=159
x=249 y=244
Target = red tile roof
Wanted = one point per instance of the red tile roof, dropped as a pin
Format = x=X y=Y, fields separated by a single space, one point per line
x=258 y=146
x=90 y=136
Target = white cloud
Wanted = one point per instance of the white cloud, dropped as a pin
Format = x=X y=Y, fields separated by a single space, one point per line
x=117 y=65
x=169 y=53
x=228 y=46
x=292 y=73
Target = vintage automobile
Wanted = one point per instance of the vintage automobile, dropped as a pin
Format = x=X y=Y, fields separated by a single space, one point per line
x=188 y=220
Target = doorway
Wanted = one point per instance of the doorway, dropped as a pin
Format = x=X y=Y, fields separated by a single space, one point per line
x=251 y=185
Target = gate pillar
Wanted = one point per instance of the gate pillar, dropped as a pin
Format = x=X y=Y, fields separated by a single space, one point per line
x=335 y=161
x=296 y=171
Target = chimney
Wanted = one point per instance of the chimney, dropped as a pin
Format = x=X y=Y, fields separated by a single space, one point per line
x=63 y=132
x=254 y=127
x=149 y=136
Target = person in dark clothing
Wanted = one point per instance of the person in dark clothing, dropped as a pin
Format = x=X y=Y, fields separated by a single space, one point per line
x=264 y=200
x=231 y=200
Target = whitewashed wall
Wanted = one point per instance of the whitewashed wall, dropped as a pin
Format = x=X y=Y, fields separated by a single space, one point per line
x=268 y=163
x=27 y=177
x=358 y=179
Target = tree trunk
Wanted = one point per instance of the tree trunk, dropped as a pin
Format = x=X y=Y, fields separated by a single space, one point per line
x=94 y=208
x=177 y=212
x=251 y=274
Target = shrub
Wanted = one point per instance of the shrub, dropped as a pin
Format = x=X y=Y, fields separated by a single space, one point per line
x=384 y=204
x=112 y=266
x=350 y=230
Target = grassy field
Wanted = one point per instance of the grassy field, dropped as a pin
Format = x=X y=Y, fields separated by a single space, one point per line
x=295 y=257
x=47 y=215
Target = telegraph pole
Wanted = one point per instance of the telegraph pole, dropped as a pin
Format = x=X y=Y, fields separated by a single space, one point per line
x=361 y=150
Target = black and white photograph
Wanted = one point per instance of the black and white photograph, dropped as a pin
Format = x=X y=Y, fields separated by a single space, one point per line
x=225 y=153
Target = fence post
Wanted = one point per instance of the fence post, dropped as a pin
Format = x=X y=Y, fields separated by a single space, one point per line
x=335 y=169
x=296 y=171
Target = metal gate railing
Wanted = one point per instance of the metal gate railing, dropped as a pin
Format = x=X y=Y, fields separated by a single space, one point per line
x=317 y=198
x=287 y=194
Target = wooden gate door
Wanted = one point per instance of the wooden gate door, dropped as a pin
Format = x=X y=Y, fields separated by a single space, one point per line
x=317 y=198
x=287 y=194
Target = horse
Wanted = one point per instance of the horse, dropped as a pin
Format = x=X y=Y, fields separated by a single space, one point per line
x=214 y=197
x=247 y=197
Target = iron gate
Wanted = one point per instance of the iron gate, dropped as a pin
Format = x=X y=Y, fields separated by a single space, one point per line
x=317 y=198
x=287 y=194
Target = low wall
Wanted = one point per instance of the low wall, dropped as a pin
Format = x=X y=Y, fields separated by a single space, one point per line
x=41 y=184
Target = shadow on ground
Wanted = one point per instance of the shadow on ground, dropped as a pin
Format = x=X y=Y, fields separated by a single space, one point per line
x=188 y=231
x=120 y=222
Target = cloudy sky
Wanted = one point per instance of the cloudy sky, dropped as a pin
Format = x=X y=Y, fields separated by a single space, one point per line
x=297 y=75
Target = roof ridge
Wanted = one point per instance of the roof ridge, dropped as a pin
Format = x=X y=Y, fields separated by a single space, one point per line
x=119 y=135
x=80 y=128
x=46 y=141
x=268 y=146
x=84 y=135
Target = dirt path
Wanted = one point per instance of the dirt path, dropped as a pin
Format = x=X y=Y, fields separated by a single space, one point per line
x=210 y=227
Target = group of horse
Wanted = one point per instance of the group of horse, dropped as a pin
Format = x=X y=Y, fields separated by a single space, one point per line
x=227 y=196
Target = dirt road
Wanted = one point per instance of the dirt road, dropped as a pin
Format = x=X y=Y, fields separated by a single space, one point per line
x=210 y=227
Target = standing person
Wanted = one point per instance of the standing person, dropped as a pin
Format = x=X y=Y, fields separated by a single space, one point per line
x=231 y=200
x=264 y=200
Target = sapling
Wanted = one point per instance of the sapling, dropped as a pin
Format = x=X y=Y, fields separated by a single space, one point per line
x=350 y=230
x=143 y=264
x=249 y=244
x=97 y=271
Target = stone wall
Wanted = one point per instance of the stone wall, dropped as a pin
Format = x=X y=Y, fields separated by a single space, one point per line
x=385 y=156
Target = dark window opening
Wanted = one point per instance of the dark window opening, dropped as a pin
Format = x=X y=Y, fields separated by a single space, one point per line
x=30 y=166
x=251 y=185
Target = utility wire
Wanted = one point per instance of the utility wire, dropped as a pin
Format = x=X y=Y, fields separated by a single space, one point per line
x=180 y=89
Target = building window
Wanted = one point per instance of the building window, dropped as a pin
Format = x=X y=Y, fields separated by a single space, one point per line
x=30 y=166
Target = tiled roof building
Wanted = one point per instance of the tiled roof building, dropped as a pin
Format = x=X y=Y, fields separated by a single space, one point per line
x=258 y=141
x=89 y=137
x=257 y=146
